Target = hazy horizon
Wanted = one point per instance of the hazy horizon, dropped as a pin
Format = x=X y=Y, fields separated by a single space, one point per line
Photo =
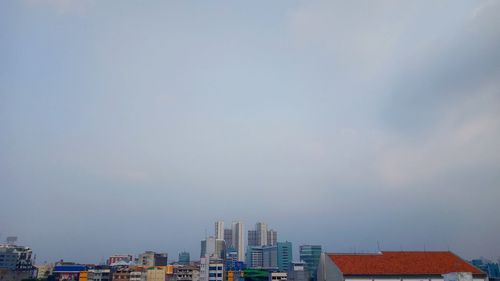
x=130 y=126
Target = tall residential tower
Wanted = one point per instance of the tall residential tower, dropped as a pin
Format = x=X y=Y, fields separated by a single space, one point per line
x=238 y=240
x=219 y=230
x=261 y=236
x=261 y=230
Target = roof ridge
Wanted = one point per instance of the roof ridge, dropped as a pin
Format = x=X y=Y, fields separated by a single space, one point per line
x=419 y=251
x=354 y=254
x=401 y=262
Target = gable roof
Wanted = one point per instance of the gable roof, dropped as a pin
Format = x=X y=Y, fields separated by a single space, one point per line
x=402 y=263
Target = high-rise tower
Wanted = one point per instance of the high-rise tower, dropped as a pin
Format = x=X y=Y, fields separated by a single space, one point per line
x=238 y=240
x=252 y=238
x=214 y=248
x=272 y=237
x=219 y=230
x=228 y=237
x=261 y=229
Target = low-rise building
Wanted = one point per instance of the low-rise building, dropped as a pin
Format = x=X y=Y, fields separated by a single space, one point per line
x=99 y=273
x=69 y=272
x=187 y=273
x=184 y=258
x=278 y=276
x=298 y=272
x=44 y=270
x=400 y=266
x=138 y=274
x=211 y=269
x=19 y=258
x=150 y=258
x=14 y=275
x=121 y=274
x=117 y=258
x=156 y=274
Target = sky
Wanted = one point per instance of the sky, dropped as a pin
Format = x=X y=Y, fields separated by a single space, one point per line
x=128 y=126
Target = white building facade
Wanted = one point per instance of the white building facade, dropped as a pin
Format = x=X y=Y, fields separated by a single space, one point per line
x=211 y=270
x=239 y=240
x=219 y=230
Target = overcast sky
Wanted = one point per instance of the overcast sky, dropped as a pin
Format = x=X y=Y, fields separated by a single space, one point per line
x=130 y=125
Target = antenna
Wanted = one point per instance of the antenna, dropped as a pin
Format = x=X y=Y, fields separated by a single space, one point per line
x=378 y=246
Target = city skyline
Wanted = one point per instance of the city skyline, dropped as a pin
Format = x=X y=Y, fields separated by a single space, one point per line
x=265 y=263
x=129 y=126
x=378 y=246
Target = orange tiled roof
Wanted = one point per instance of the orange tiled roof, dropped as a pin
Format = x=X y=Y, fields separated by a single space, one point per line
x=402 y=263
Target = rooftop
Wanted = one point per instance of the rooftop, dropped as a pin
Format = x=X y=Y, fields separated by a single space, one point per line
x=402 y=263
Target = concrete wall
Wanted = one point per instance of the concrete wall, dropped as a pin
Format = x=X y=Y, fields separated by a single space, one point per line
x=404 y=279
x=328 y=271
x=12 y=275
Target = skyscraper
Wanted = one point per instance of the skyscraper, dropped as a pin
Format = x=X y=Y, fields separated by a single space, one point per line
x=310 y=254
x=252 y=238
x=272 y=237
x=261 y=236
x=238 y=240
x=261 y=229
x=214 y=248
x=219 y=230
x=228 y=237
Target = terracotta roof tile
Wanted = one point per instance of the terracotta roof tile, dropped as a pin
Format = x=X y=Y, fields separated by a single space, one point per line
x=402 y=263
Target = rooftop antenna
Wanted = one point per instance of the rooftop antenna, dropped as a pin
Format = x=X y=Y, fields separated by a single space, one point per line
x=378 y=246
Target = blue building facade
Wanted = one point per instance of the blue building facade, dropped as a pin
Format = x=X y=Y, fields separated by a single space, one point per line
x=285 y=255
x=490 y=268
x=310 y=255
